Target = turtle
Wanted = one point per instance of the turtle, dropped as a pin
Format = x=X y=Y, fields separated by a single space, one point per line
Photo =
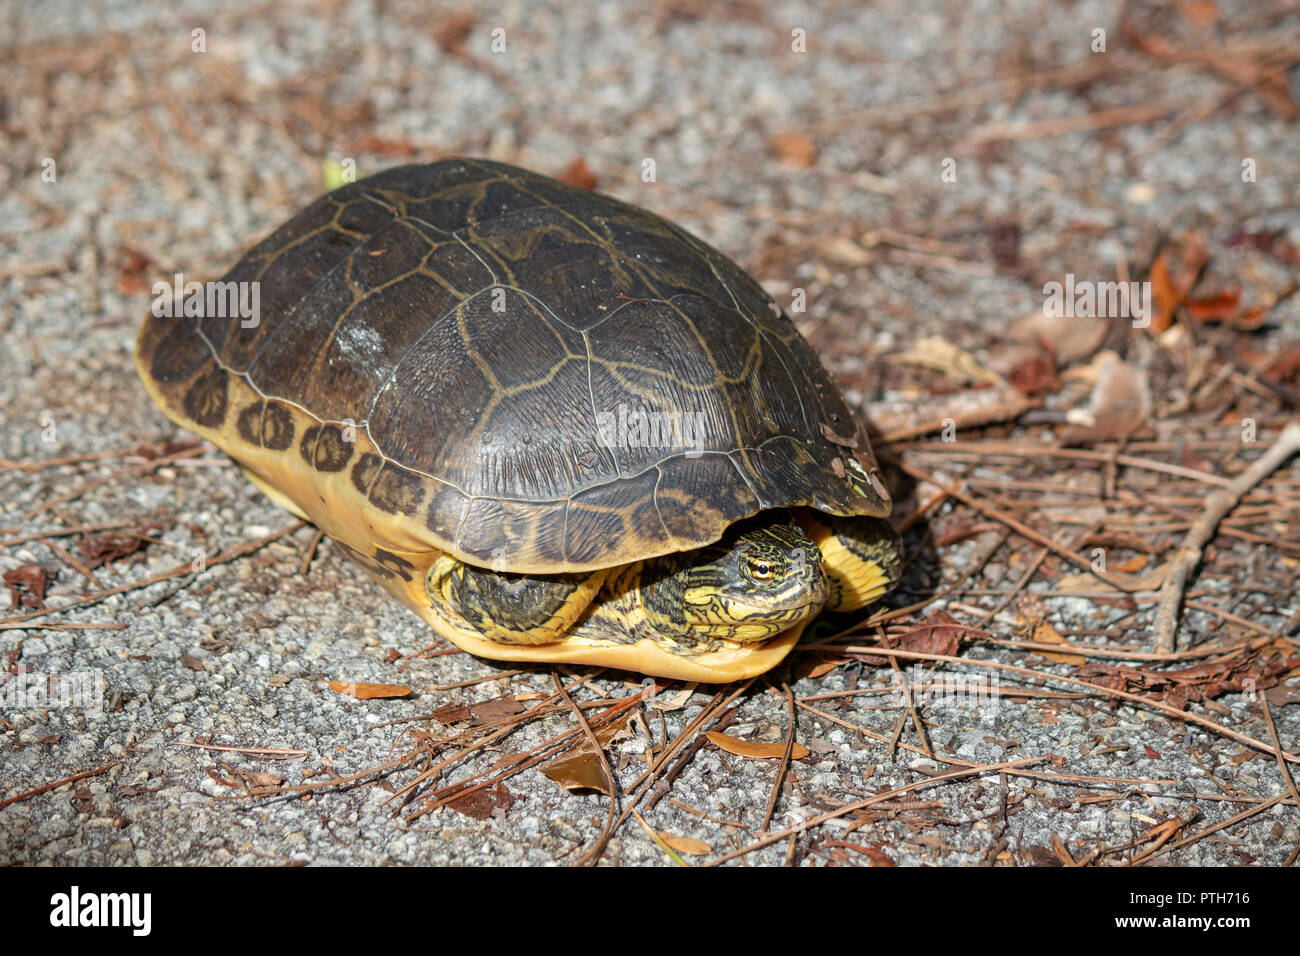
x=556 y=425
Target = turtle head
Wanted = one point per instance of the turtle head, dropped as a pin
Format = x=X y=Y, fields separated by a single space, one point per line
x=763 y=577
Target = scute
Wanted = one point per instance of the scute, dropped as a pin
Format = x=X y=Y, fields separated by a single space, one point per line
x=500 y=341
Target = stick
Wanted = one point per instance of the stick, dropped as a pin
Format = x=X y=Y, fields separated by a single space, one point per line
x=1217 y=505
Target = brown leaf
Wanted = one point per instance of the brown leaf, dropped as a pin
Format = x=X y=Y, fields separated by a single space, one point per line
x=1064 y=336
x=1132 y=565
x=1274 y=244
x=1153 y=754
x=106 y=548
x=872 y=851
x=577 y=174
x=152 y=452
x=451 y=714
x=131 y=279
x=1119 y=406
x=1199 y=682
x=815 y=665
x=793 y=149
x=945 y=356
x=1221 y=307
x=746 y=748
x=1282 y=695
x=1199 y=12
x=503 y=706
x=841 y=440
x=1044 y=633
x=581 y=768
x=939 y=634
x=1005 y=236
x=1173 y=273
x=27 y=585
x=479 y=804
x=455 y=30
x=193 y=663
x=580 y=771
x=373 y=143
x=365 y=691
x=1035 y=375
x=843 y=251
x=963 y=530
x=686 y=844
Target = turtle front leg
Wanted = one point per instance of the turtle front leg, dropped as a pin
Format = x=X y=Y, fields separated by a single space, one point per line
x=863 y=557
x=509 y=608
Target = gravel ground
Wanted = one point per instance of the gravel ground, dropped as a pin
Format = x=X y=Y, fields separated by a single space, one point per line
x=168 y=160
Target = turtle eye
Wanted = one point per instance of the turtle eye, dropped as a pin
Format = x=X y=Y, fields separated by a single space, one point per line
x=761 y=570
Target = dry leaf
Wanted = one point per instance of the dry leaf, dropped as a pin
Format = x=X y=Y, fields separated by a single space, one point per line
x=952 y=360
x=1223 y=306
x=940 y=633
x=1066 y=336
x=1044 y=633
x=503 y=706
x=451 y=714
x=1133 y=564
x=1124 y=583
x=686 y=844
x=577 y=174
x=479 y=804
x=27 y=585
x=841 y=440
x=1282 y=695
x=793 y=149
x=815 y=665
x=364 y=691
x=580 y=771
x=107 y=548
x=131 y=278
x=1200 y=12
x=843 y=251
x=455 y=30
x=745 y=748
x=1173 y=273
x=1119 y=406
x=582 y=768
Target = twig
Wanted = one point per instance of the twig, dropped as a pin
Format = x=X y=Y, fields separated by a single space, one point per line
x=604 y=769
x=785 y=758
x=248 y=547
x=58 y=783
x=310 y=553
x=878 y=798
x=1217 y=504
x=251 y=751
x=1277 y=742
x=1166 y=709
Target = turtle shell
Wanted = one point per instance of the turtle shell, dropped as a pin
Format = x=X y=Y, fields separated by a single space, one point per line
x=471 y=357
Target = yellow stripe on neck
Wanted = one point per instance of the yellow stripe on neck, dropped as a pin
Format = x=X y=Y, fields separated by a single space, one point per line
x=854 y=581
